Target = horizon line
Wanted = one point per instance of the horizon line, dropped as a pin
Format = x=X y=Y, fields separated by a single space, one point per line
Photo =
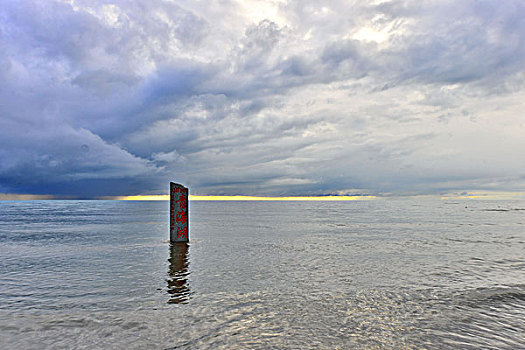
x=192 y=197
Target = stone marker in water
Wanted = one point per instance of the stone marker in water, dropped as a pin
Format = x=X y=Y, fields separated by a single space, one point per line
x=179 y=219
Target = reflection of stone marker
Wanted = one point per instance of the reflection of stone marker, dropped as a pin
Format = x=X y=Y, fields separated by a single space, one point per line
x=179 y=220
x=178 y=288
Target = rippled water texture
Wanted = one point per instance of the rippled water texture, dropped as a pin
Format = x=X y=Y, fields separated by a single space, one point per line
x=262 y=275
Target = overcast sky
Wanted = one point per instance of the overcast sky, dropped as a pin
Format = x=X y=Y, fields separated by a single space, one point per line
x=103 y=98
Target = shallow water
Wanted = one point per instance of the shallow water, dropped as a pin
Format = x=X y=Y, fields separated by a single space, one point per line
x=282 y=275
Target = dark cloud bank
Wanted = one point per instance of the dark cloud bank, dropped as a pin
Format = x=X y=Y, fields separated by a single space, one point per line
x=261 y=98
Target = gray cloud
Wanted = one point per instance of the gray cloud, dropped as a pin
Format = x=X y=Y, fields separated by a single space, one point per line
x=261 y=98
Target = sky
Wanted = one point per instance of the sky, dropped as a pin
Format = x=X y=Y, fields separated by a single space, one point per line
x=262 y=98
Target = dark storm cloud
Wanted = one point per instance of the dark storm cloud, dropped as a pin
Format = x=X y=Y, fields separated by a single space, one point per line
x=108 y=98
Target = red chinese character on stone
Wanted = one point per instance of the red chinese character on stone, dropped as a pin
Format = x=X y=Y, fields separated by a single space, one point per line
x=181 y=217
x=182 y=201
x=182 y=232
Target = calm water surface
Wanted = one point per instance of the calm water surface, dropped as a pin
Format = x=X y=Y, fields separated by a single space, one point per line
x=393 y=274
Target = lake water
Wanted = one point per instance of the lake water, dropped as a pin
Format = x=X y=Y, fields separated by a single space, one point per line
x=393 y=274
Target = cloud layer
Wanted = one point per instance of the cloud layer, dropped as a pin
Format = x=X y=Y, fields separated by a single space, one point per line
x=261 y=97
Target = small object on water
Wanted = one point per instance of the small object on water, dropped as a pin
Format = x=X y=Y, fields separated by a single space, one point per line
x=179 y=210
